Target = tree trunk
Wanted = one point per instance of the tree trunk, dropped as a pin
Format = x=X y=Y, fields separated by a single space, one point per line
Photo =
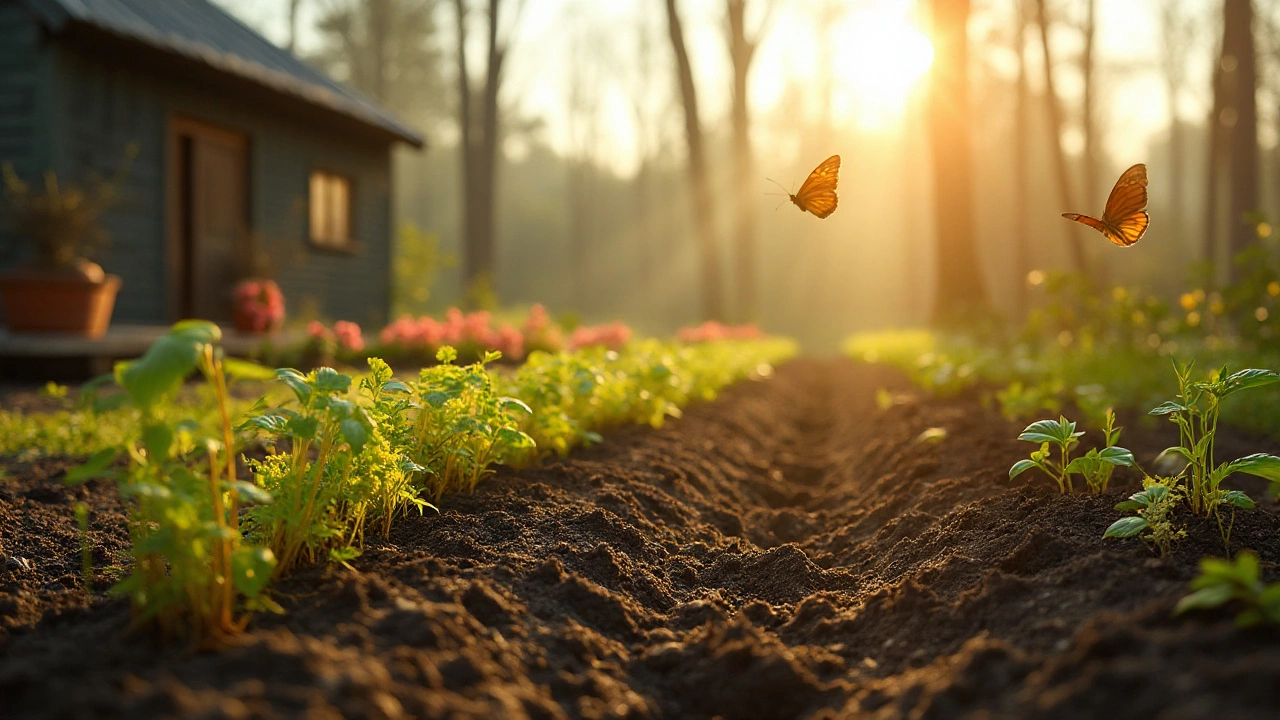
x=1212 y=176
x=1021 y=161
x=1078 y=257
x=704 y=222
x=960 y=293
x=379 y=34
x=1089 y=121
x=293 y=25
x=1240 y=66
x=478 y=150
x=742 y=50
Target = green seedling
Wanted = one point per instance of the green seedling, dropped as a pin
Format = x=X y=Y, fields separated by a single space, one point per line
x=1095 y=467
x=1153 y=510
x=86 y=548
x=1195 y=411
x=192 y=572
x=1222 y=582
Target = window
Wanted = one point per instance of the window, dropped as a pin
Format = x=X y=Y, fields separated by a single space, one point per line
x=330 y=211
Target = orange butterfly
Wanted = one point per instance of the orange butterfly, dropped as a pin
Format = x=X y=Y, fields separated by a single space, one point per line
x=1125 y=218
x=818 y=193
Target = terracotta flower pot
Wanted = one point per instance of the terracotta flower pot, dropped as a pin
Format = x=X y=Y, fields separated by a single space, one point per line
x=58 y=302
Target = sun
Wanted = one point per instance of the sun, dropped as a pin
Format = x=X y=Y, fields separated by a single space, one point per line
x=881 y=55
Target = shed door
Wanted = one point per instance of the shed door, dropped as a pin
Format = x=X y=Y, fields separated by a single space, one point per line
x=211 y=210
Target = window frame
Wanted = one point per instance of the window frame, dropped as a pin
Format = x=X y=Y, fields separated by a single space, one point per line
x=347 y=245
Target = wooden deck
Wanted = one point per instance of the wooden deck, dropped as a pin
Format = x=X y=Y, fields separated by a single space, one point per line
x=48 y=356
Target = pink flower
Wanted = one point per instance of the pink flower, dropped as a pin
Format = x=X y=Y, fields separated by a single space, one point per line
x=613 y=336
x=540 y=332
x=510 y=342
x=349 y=336
x=711 y=331
x=259 y=305
x=317 y=331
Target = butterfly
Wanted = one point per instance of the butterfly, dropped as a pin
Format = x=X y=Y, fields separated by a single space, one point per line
x=1125 y=218
x=818 y=193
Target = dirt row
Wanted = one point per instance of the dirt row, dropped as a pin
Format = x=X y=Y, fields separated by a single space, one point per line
x=788 y=551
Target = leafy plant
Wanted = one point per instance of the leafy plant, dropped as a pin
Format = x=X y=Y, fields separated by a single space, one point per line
x=463 y=425
x=329 y=471
x=1195 y=411
x=191 y=567
x=1154 y=508
x=1221 y=582
x=1095 y=467
x=63 y=221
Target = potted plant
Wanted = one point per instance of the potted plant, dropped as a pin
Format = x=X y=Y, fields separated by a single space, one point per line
x=60 y=289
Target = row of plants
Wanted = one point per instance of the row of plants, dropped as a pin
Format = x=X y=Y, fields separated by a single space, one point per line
x=228 y=498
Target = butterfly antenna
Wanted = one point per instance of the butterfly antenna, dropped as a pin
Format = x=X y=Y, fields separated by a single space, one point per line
x=784 y=202
x=775 y=182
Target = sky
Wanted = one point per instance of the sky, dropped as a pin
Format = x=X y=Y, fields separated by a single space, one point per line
x=593 y=45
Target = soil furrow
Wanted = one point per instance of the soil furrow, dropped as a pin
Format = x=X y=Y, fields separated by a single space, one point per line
x=790 y=550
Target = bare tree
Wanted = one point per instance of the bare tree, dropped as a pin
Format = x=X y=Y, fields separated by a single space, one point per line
x=742 y=50
x=1240 y=81
x=1021 y=160
x=960 y=291
x=1177 y=34
x=1079 y=260
x=480 y=140
x=704 y=222
x=1089 y=119
x=294 y=6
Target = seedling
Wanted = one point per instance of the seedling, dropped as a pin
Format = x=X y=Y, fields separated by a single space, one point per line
x=190 y=564
x=1153 y=507
x=1195 y=412
x=1222 y=581
x=1095 y=467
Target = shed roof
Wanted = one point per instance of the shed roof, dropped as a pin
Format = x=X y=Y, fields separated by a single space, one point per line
x=202 y=32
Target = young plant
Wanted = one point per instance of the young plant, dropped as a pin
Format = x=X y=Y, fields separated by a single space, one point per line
x=1222 y=581
x=462 y=425
x=1153 y=510
x=191 y=567
x=1195 y=412
x=1095 y=467
x=325 y=469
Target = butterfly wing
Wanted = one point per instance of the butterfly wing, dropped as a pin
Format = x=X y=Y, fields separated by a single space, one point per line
x=1125 y=218
x=818 y=193
x=1126 y=213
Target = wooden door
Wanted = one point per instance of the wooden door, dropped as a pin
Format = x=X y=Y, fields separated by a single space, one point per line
x=209 y=243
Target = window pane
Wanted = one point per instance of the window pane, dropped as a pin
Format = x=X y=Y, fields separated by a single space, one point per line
x=318 y=214
x=341 y=210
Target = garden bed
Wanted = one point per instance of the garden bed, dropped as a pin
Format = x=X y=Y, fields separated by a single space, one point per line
x=790 y=550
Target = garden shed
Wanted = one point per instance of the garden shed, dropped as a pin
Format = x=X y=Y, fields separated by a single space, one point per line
x=243 y=152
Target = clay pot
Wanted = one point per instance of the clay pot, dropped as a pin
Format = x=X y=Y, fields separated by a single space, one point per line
x=76 y=301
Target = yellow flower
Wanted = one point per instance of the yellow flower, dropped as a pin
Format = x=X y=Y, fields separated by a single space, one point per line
x=1198 y=294
x=1193 y=318
x=1273 y=288
x=1261 y=314
x=1264 y=230
x=1188 y=301
x=1138 y=317
x=1216 y=307
x=1035 y=277
x=1119 y=293
x=1065 y=337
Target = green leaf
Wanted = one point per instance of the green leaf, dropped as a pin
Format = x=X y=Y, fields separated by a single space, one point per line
x=274 y=424
x=1238 y=499
x=1156 y=492
x=514 y=439
x=251 y=569
x=331 y=381
x=1126 y=527
x=168 y=362
x=395 y=386
x=249 y=492
x=1058 y=432
x=302 y=427
x=1245 y=379
x=1131 y=505
x=95 y=467
x=1116 y=456
x=509 y=402
x=1205 y=598
x=157 y=438
x=1175 y=450
x=1168 y=407
x=355 y=433
x=1259 y=464
x=297 y=382
x=1020 y=467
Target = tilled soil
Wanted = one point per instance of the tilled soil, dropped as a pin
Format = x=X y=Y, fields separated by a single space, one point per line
x=788 y=551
